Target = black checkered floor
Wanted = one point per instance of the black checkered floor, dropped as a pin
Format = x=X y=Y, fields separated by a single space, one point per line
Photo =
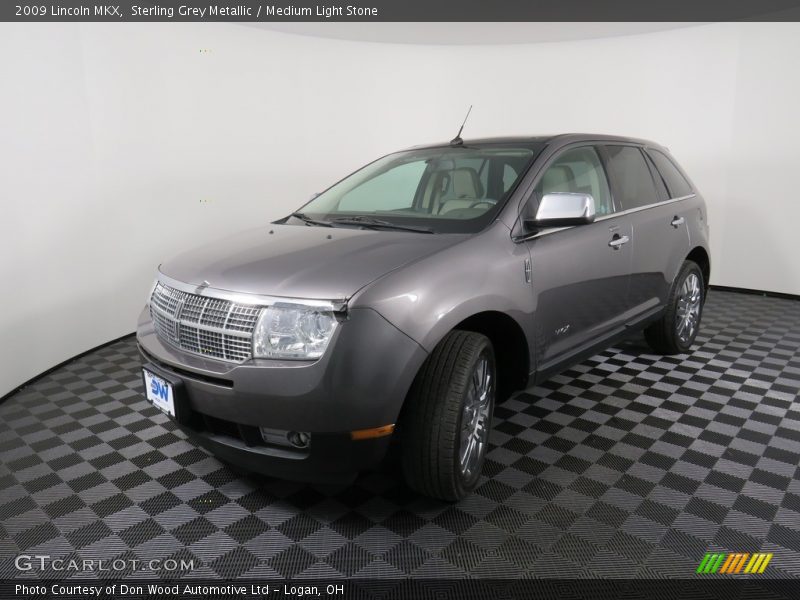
x=628 y=465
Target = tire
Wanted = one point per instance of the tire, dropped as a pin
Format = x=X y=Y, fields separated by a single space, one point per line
x=673 y=333
x=443 y=414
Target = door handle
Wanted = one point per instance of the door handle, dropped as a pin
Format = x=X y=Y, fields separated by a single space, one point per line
x=677 y=221
x=618 y=242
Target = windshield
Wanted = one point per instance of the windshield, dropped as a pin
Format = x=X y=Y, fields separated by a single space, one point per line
x=445 y=190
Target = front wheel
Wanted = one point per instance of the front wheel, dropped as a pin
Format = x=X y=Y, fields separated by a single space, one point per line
x=676 y=330
x=444 y=431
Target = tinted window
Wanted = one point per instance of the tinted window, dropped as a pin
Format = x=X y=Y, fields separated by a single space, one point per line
x=391 y=190
x=446 y=189
x=578 y=171
x=676 y=182
x=630 y=176
x=663 y=194
x=509 y=177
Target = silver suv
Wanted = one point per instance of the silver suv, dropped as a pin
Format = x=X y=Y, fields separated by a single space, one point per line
x=401 y=303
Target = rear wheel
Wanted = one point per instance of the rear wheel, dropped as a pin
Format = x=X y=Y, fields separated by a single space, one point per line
x=676 y=330
x=445 y=428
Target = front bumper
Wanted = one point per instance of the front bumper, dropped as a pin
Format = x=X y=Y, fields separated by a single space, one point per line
x=360 y=383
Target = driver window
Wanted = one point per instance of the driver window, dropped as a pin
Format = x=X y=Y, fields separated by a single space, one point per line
x=578 y=171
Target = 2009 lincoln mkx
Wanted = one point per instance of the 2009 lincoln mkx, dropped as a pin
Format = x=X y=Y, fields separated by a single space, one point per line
x=402 y=303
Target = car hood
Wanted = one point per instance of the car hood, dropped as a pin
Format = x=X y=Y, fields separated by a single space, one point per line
x=297 y=261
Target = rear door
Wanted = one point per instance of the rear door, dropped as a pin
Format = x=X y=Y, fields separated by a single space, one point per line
x=660 y=236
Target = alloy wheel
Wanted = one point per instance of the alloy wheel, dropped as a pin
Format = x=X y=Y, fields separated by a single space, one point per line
x=688 y=313
x=475 y=417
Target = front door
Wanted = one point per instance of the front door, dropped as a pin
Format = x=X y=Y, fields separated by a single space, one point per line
x=580 y=275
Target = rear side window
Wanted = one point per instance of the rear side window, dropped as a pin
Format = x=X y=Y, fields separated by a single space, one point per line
x=630 y=177
x=676 y=182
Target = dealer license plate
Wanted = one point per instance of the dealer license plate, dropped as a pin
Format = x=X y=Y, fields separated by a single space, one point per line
x=159 y=392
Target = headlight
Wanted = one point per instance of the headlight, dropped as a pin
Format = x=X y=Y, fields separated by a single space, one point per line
x=293 y=331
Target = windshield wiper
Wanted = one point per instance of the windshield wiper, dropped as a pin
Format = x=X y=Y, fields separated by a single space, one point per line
x=309 y=221
x=372 y=222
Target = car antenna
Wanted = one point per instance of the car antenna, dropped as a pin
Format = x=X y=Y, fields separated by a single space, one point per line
x=457 y=141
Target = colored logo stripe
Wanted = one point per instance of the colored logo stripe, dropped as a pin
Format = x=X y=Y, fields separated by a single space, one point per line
x=711 y=562
x=758 y=563
x=734 y=563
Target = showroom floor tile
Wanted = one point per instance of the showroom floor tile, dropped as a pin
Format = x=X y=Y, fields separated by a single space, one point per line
x=627 y=465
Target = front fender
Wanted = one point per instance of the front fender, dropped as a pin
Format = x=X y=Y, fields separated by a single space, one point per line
x=427 y=299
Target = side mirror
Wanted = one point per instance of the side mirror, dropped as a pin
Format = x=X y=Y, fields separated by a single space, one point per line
x=563 y=209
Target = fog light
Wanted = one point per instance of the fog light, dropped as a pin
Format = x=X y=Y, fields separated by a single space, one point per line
x=287 y=439
x=299 y=439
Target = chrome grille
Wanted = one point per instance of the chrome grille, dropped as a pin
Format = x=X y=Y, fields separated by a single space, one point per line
x=204 y=325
